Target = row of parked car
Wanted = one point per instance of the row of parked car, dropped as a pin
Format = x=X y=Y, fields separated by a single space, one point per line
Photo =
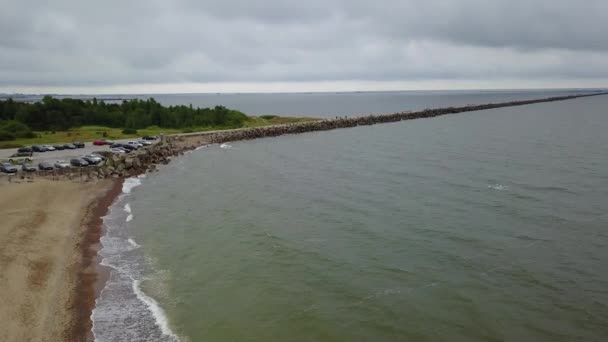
x=86 y=160
x=129 y=146
x=29 y=151
x=24 y=155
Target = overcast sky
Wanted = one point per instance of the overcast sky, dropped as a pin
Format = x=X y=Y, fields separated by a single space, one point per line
x=112 y=46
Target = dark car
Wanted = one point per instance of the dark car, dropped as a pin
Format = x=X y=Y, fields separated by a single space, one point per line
x=148 y=137
x=21 y=154
x=69 y=146
x=59 y=147
x=78 y=144
x=126 y=147
x=45 y=166
x=28 y=168
x=25 y=149
x=96 y=154
x=92 y=159
x=79 y=162
x=39 y=148
x=8 y=168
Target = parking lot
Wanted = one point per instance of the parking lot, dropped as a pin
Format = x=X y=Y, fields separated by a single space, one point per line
x=53 y=156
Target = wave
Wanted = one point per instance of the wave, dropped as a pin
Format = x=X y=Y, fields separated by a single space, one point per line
x=225 y=146
x=122 y=308
x=499 y=187
x=129 y=184
x=157 y=311
x=133 y=243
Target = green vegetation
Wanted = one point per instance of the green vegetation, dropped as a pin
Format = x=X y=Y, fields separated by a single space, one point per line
x=53 y=121
x=85 y=133
x=129 y=131
x=268 y=117
x=18 y=119
x=268 y=120
x=12 y=129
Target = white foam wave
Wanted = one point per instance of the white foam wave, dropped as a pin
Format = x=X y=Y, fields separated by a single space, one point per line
x=133 y=243
x=499 y=187
x=157 y=311
x=200 y=147
x=225 y=146
x=128 y=208
x=129 y=218
x=129 y=184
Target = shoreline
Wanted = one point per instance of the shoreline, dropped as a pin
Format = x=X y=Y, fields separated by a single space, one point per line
x=92 y=276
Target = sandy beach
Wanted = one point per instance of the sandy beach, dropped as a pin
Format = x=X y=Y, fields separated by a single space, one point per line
x=44 y=237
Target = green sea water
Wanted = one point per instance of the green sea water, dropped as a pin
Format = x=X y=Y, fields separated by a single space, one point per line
x=481 y=226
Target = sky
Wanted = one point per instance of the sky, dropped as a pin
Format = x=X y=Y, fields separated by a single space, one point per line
x=181 y=46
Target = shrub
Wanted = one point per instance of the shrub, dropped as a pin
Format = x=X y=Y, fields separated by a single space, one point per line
x=9 y=145
x=129 y=131
x=15 y=129
x=6 y=136
x=187 y=130
x=268 y=117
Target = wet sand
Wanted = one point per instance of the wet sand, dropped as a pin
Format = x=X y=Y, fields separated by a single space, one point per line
x=48 y=231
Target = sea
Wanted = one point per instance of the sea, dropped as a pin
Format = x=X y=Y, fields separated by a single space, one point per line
x=481 y=226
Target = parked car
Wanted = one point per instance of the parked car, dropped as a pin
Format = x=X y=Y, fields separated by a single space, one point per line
x=99 y=142
x=126 y=147
x=45 y=166
x=59 y=147
x=62 y=164
x=78 y=144
x=28 y=167
x=49 y=147
x=69 y=146
x=25 y=149
x=148 y=137
x=96 y=154
x=8 y=168
x=135 y=144
x=38 y=148
x=91 y=159
x=118 y=150
x=79 y=162
x=144 y=142
x=21 y=154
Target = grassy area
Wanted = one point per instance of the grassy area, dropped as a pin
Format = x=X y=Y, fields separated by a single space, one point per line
x=268 y=120
x=90 y=133
x=84 y=134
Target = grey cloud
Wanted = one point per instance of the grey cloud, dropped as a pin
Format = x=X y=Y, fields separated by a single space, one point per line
x=79 y=43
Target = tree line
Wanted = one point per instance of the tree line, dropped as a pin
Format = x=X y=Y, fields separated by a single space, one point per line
x=20 y=119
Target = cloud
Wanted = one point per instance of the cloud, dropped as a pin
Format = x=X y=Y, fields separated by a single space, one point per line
x=83 y=45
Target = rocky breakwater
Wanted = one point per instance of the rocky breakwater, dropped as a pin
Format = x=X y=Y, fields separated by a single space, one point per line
x=143 y=160
x=324 y=125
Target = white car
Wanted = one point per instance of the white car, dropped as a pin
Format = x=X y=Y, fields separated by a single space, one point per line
x=62 y=164
x=118 y=150
x=144 y=142
x=49 y=147
x=135 y=144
